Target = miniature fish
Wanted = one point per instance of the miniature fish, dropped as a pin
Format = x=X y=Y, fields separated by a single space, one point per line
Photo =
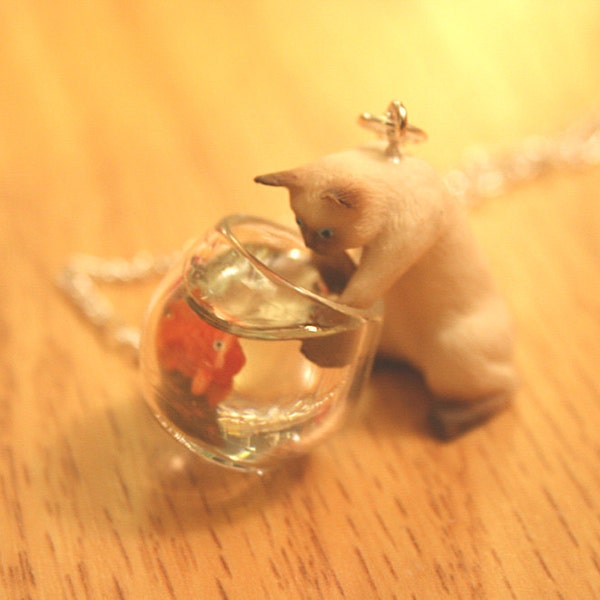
x=208 y=356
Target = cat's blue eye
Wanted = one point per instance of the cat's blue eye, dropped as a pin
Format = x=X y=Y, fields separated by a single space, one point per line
x=300 y=222
x=326 y=233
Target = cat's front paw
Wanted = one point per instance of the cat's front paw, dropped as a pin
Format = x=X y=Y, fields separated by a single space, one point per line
x=332 y=351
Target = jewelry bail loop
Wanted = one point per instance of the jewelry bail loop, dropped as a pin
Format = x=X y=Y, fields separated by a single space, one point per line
x=394 y=126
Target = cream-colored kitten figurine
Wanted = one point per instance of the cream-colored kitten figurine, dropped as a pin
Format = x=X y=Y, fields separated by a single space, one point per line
x=442 y=313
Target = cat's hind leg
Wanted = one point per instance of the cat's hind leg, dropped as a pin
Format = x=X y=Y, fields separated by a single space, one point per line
x=469 y=369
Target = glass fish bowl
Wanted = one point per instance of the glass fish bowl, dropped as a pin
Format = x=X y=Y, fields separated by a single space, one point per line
x=246 y=358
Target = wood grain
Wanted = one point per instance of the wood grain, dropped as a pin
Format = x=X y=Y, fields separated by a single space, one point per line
x=128 y=125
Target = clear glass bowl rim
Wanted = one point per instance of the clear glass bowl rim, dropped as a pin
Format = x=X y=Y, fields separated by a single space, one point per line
x=355 y=317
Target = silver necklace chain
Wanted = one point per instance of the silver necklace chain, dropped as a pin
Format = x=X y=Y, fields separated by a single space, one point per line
x=483 y=175
x=80 y=281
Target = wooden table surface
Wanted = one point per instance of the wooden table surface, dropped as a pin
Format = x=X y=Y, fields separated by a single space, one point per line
x=136 y=125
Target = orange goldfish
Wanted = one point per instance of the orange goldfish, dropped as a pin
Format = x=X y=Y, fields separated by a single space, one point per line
x=208 y=356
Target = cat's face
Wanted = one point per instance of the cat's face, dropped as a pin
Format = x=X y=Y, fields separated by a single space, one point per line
x=329 y=219
x=330 y=213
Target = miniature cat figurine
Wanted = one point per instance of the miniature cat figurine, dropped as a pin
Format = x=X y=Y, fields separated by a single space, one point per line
x=442 y=312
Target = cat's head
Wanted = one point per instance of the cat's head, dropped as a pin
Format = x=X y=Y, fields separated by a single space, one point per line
x=333 y=210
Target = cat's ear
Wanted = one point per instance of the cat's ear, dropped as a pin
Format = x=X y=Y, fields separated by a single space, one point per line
x=288 y=179
x=349 y=197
